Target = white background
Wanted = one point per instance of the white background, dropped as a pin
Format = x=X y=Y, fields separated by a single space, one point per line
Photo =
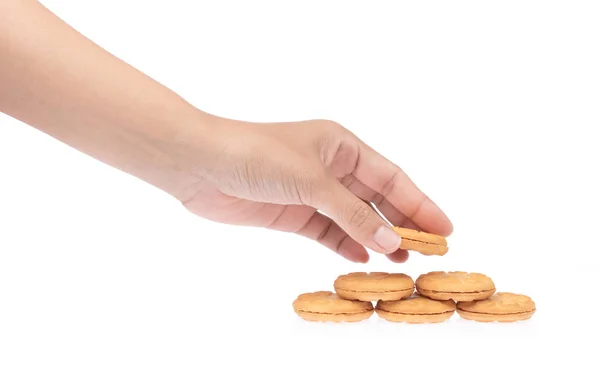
x=493 y=108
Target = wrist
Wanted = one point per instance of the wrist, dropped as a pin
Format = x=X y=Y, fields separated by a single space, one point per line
x=184 y=155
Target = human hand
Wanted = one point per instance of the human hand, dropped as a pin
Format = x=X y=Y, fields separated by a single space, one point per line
x=278 y=176
x=281 y=176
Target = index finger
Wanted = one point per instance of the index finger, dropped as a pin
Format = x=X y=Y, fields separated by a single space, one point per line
x=387 y=179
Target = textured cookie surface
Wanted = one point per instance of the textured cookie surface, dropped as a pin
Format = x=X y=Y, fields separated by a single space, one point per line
x=422 y=242
x=374 y=281
x=502 y=306
x=417 y=304
x=374 y=286
x=484 y=317
x=414 y=319
x=416 y=309
x=328 y=306
x=327 y=317
x=459 y=286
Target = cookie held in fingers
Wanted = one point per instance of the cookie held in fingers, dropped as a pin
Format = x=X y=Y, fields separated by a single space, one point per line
x=327 y=306
x=374 y=286
x=416 y=310
x=458 y=286
x=422 y=242
x=502 y=307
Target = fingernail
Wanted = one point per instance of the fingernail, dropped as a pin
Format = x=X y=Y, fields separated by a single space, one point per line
x=387 y=239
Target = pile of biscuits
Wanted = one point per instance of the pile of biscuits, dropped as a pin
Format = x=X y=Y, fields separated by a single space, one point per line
x=438 y=295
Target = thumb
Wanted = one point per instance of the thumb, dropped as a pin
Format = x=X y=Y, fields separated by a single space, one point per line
x=356 y=218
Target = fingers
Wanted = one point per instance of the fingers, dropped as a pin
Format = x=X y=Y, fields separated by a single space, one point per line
x=393 y=215
x=401 y=255
x=395 y=186
x=388 y=210
x=356 y=217
x=307 y=222
x=328 y=233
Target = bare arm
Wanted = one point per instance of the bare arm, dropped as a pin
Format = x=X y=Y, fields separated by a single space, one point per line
x=56 y=80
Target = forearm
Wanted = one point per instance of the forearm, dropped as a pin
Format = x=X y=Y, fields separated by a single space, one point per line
x=54 y=79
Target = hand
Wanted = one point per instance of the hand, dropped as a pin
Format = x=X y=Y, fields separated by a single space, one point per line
x=282 y=176
x=312 y=178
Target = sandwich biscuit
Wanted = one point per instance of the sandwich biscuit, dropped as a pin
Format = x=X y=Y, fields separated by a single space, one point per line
x=502 y=307
x=374 y=286
x=422 y=242
x=327 y=306
x=416 y=310
x=458 y=286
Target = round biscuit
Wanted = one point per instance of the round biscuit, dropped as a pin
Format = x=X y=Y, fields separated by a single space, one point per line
x=459 y=286
x=328 y=306
x=374 y=286
x=416 y=310
x=502 y=306
x=422 y=242
x=417 y=304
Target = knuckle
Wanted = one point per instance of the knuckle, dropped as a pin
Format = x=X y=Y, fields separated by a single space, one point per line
x=330 y=124
x=325 y=232
x=331 y=137
x=328 y=128
x=358 y=214
x=348 y=180
x=390 y=185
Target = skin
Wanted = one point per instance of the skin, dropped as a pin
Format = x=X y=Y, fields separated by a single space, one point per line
x=313 y=178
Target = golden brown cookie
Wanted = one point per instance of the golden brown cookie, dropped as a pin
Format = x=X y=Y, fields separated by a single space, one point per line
x=374 y=286
x=422 y=242
x=502 y=307
x=416 y=310
x=458 y=286
x=327 y=306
